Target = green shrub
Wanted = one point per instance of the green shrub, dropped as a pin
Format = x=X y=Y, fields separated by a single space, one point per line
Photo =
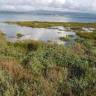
x=18 y=34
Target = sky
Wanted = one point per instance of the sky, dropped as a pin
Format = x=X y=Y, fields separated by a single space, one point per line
x=66 y=5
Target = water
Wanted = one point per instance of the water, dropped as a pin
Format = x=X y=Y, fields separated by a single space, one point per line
x=42 y=34
x=39 y=34
x=48 y=16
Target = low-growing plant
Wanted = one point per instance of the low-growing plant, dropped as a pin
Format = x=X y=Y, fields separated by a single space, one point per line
x=18 y=34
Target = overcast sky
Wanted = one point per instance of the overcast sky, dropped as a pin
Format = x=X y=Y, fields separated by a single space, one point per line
x=28 y=5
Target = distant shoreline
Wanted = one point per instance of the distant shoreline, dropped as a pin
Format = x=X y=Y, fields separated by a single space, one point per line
x=44 y=24
x=52 y=16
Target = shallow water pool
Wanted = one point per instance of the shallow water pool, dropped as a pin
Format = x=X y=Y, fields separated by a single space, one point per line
x=40 y=34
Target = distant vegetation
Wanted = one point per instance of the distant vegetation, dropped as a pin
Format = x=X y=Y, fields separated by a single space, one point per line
x=31 y=68
x=87 y=35
x=37 y=24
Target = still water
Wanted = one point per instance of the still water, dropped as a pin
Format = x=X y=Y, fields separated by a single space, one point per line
x=48 y=16
x=40 y=34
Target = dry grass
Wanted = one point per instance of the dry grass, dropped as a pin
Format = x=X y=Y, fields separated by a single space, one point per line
x=15 y=69
x=2 y=39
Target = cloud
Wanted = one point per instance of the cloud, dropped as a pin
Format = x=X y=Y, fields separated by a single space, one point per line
x=28 y=5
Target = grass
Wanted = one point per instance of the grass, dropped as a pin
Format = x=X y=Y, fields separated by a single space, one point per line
x=72 y=25
x=2 y=39
x=31 y=68
x=87 y=35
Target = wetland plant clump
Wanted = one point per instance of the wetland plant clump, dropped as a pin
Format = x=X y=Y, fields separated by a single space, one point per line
x=18 y=34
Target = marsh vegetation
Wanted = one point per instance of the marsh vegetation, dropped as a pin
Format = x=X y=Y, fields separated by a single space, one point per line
x=36 y=68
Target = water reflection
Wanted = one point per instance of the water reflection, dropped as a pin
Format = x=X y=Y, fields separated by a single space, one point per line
x=42 y=34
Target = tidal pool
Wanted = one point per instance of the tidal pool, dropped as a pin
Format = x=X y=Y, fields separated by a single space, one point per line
x=39 y=34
